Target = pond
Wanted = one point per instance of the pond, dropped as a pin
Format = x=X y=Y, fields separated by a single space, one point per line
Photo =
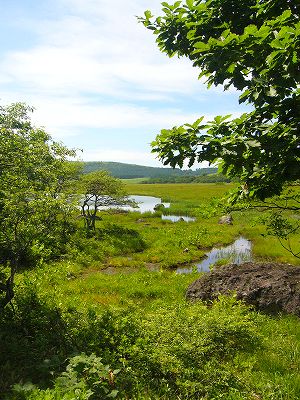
x=176 y=218
x=238 y=252
x=147 y=204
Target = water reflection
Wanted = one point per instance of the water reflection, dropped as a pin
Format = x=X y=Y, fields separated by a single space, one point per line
x=176 y=218
x=148 y=204
x=238 y=252
x=145 y=203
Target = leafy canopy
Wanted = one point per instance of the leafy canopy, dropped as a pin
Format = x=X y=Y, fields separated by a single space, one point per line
x=253 y=46
x=100 y=190
x=34 y=212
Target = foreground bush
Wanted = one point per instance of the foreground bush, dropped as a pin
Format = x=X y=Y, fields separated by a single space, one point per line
x=190 y=351
x=180 y=351
x=86 y=377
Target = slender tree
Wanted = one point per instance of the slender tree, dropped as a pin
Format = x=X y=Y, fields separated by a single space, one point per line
x=100 y=190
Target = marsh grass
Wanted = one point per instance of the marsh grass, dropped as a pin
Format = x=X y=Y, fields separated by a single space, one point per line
x=179 y=192
x=139 y=322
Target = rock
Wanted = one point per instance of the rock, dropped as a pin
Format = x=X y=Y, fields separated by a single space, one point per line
x=159 y=207
x=117 y=211
x=226 y=220
x=269 y=287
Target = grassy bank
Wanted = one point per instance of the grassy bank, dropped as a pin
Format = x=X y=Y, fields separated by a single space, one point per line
x=178 y=192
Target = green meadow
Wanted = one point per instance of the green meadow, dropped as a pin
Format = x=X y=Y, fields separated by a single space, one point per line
x=110 y=319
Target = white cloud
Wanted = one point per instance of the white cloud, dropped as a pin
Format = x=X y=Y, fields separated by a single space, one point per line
x=61 y=71
x=92 y=66
x=70 y=115
x=98 y=48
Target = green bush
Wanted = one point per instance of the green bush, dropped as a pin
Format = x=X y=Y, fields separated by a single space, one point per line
x=34 y=332
x=192 y=351
x=167 y=350
x=123 y=240
x=86 y=377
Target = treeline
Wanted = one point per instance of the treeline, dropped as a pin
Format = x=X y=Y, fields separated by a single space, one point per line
x=209 y=178
x=131 y=171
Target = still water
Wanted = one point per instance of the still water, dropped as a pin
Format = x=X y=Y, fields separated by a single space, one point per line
x=176 y=218
x=147 y=203
x=238 y=252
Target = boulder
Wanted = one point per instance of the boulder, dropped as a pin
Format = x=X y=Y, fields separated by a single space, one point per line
x=269 y=287
x=159 y=207
x=226 y=220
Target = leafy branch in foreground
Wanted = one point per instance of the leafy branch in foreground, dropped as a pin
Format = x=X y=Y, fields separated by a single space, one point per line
x=253 y=46
x=282 y=216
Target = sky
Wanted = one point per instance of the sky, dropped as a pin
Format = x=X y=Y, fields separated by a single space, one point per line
x=96 y=78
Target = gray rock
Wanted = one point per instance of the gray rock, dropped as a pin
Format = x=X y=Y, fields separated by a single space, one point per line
x=226 y=220
x=269 y=287
x=159 y=207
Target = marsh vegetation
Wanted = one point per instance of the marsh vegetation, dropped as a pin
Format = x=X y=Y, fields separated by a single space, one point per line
x=78 y=332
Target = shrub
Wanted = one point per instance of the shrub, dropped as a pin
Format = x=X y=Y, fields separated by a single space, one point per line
x=191 y=351
x=86 y=377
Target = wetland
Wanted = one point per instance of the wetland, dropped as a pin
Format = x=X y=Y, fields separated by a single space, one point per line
x=118 y=298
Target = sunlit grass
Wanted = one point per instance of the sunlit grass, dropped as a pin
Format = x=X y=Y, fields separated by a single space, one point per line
x=178 y=192
x=68 y=285
x=195 y=200
x=134 y=180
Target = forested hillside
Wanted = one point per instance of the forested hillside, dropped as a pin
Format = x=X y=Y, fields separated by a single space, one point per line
x=126 y=171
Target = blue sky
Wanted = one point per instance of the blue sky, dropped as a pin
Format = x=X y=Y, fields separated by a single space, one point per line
x=96 y=78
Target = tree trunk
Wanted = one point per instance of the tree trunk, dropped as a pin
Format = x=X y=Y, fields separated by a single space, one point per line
x=8 y=287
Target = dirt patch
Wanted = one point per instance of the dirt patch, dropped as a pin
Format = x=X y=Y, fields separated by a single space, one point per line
x=270 y=287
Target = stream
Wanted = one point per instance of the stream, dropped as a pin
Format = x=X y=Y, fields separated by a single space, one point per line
x=238 y=252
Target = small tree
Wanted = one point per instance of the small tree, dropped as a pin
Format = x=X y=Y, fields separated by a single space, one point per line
x=100 y=190
x=34 y=212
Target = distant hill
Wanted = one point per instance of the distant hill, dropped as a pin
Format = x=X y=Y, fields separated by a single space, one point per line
x=130 y=171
